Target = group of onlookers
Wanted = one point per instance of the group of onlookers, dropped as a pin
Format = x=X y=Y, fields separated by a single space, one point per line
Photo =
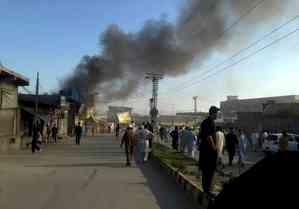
x=211 y=142
x=41 y=134
x=138 y=141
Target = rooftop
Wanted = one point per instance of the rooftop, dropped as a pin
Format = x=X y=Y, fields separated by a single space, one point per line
x=9 y=75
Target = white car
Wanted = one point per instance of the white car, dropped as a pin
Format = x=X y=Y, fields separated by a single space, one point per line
x=271 y=144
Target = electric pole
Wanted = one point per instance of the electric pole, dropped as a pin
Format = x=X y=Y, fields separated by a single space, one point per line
x=195 y=103
x=155 y=77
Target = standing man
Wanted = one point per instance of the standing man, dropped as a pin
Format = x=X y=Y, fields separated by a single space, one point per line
x=231 y=144
x=208 y=150
x=283 y=142
x=220 y=141
x=78 y=132
x=54 y=133
x=48 y=134
x=242 y=148
x=117 y=128
x=175 y=138
x=254 y=141
x=129 y=141
x=190 y=142
x=183 y=139
x=161 y=130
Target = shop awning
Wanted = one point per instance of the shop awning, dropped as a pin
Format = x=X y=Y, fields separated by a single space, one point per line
x=32 y=112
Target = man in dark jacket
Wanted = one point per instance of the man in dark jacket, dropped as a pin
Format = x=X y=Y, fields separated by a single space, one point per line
x=78 y=132
x=175 y=138
x=208 y=150
x=231 y=144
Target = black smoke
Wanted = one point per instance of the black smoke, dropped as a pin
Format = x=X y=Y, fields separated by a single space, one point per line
x=160 y=46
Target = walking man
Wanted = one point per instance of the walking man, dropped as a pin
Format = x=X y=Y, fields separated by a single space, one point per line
x=231 y=144
x=78 y=132
x=208 y=150
x=54 y=133
x=35 y=137
x=140 y=136
x=129 y=141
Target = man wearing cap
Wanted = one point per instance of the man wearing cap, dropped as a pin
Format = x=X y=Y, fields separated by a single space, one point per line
x=208 y=150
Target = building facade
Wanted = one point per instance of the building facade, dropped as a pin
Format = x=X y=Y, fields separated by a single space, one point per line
x=10 y=134
x=233 y=105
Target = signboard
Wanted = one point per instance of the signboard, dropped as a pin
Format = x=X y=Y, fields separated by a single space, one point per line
x=124 y=117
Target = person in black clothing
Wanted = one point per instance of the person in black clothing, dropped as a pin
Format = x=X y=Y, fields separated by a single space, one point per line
x=175 y=138
x=117 y=129
x=54 y=133
x=78 y=132
x=231 y=143
x=208 y=150
x=35 y=136
x=48 y=134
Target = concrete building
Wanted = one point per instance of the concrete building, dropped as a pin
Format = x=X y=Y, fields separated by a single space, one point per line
x=172 y=120
x=233 y=105
x=53 y=110
x=10 y=135
x=275 y=118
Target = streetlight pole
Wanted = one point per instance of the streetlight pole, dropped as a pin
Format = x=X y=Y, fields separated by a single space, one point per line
x=155 y=77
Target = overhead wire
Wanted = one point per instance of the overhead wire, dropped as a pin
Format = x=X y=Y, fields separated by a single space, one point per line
x=242 y=59
x=251 y=45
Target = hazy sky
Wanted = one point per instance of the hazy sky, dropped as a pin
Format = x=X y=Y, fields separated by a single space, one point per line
x=52 y=36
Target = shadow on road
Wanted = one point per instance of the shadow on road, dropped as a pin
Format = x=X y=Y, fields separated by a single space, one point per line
x=166 y=191
x=107 y=165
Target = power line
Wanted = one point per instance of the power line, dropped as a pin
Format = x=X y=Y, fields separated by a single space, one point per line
x=241 y=51
x=244 y=58
x=236 y=22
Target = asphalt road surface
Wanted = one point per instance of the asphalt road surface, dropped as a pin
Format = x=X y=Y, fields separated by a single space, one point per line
x=89 y=176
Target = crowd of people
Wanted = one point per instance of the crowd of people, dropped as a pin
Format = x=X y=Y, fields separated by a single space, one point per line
x=42 y=135
x=213 y=141
x=137 y=138
x=48 y=135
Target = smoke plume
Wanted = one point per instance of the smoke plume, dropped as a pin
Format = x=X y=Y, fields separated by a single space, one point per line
x=160 y=46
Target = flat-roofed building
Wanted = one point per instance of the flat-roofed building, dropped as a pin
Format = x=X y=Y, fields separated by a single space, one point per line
x=233 y=105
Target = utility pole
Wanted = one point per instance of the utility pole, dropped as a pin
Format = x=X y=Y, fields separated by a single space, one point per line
x=155 y=77
x=36 y=95
x=195 y=103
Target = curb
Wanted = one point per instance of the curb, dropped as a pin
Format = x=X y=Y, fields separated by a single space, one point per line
x=187 y=185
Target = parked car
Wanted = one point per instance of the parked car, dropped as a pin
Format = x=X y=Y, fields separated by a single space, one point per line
x=271 y=144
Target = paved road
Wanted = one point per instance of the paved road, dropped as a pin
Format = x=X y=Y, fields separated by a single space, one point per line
x=90 y=176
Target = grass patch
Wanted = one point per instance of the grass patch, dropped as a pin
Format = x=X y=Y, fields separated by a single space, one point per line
x=184 y=164
x=173 y=158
